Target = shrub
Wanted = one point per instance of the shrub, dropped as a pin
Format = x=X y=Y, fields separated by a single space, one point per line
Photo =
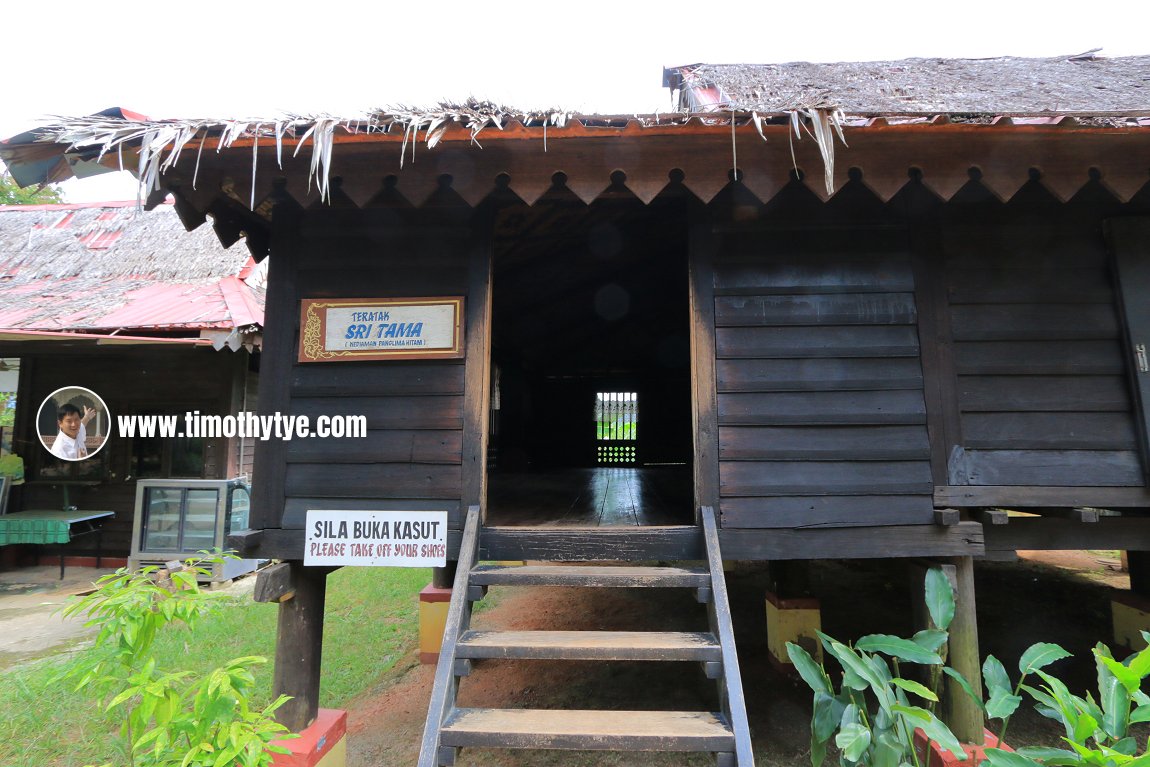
x=871 y=716
x=170 y=718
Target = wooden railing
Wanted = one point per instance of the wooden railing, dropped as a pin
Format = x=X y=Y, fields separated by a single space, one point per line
x=719 y=611
x=458 y=620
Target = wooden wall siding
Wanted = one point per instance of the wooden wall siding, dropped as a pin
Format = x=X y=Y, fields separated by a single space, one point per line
x=822 y=420
x=1129 y=240
x=1041 y=386
x=413 y=454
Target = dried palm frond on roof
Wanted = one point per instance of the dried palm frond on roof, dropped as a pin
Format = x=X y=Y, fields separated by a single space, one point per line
x=825 y=124
x=160 y=143
x=473 y=114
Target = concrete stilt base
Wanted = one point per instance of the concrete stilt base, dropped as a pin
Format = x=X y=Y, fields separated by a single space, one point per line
x=322 y=744
x=433 y=605
x=937 y=757
x=1130 y=614
x=792 y=620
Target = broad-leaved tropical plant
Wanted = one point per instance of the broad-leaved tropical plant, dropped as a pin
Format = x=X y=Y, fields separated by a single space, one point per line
x=875 y=711
x=1097 y=730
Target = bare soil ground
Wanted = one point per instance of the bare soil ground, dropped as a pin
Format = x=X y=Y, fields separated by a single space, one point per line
x=1050 y=596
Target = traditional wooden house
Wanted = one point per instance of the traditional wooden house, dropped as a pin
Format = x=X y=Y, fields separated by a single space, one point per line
x=154 y=320
x=822 y=311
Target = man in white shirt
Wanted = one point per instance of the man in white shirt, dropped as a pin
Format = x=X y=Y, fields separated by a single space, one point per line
x=71 y=442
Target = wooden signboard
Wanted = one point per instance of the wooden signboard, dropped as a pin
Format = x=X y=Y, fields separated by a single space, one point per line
x=344 y=538
x=346 y=329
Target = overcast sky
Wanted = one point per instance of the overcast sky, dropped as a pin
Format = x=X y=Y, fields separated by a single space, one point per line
x=247 y=59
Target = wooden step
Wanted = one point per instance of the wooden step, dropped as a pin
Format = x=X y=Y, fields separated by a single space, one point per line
x=592 y=544
x=590 y=645
x=595 y=576
x=592 y=730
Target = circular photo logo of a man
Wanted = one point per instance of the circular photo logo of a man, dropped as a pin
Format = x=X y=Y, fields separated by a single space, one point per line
x=73 y=423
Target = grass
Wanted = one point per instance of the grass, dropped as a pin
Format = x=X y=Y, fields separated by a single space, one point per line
x=371 y=621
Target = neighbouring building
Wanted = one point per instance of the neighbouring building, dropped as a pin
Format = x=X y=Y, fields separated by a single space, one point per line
x=155 y=320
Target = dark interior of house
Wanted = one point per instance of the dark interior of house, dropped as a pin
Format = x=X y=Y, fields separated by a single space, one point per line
x=591 y=397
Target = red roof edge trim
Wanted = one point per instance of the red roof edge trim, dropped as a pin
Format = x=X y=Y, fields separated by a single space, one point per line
x=241 y=307
x=246 y=271
x=130 y=115
x=50 y=335
x=76 y=205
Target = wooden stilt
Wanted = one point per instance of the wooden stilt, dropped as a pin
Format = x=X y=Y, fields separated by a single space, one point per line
x=964 y=717
x=1138 y=565
x=790 y=578
x=299 y=647
x=961 y=713
x=1130 y=612
x=793 y=615
x=444 y=577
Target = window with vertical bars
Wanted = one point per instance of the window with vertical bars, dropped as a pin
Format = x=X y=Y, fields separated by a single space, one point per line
x=616 y=425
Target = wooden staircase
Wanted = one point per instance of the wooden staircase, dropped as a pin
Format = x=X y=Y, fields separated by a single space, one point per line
x=724 y=733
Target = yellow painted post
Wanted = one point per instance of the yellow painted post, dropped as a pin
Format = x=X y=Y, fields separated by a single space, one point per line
x=433 y=605
x=792 y=620
x=337 y=757
x=1130 y=614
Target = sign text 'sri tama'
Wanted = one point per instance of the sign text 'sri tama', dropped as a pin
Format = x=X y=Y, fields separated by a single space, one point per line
x=376 y=538
x=348 y=329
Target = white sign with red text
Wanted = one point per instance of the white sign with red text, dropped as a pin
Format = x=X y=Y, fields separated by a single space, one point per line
x=376 y=538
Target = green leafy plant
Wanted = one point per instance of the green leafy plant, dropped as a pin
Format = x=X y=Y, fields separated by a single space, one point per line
x=871 y=716
x=12 y=194
x=170 y=718
x=1097 y=731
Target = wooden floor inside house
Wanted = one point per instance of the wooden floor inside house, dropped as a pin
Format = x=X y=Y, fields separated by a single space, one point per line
x=591 y=497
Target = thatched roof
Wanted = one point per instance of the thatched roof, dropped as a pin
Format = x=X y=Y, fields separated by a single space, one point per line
x=111 y=267
x=1062 y=85
x=797 y=100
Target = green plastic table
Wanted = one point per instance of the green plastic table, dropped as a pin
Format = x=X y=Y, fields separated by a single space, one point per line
x=44 y=528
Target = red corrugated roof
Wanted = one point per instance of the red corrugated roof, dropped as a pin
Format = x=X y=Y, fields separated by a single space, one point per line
x=71 y=206
x=99 y=339
x=241 y=302
x=170 y=306
x=145 y=306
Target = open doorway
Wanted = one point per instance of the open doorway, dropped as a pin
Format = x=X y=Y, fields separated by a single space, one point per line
x=591 y=396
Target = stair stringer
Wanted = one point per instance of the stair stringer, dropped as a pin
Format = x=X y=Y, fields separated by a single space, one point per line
x=446 y=682
x=719 y=612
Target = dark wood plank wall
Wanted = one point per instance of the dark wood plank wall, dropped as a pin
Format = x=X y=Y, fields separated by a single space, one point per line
x=412 y=455
x=1129 y=240
x=1042 y=389
x=822 y=420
